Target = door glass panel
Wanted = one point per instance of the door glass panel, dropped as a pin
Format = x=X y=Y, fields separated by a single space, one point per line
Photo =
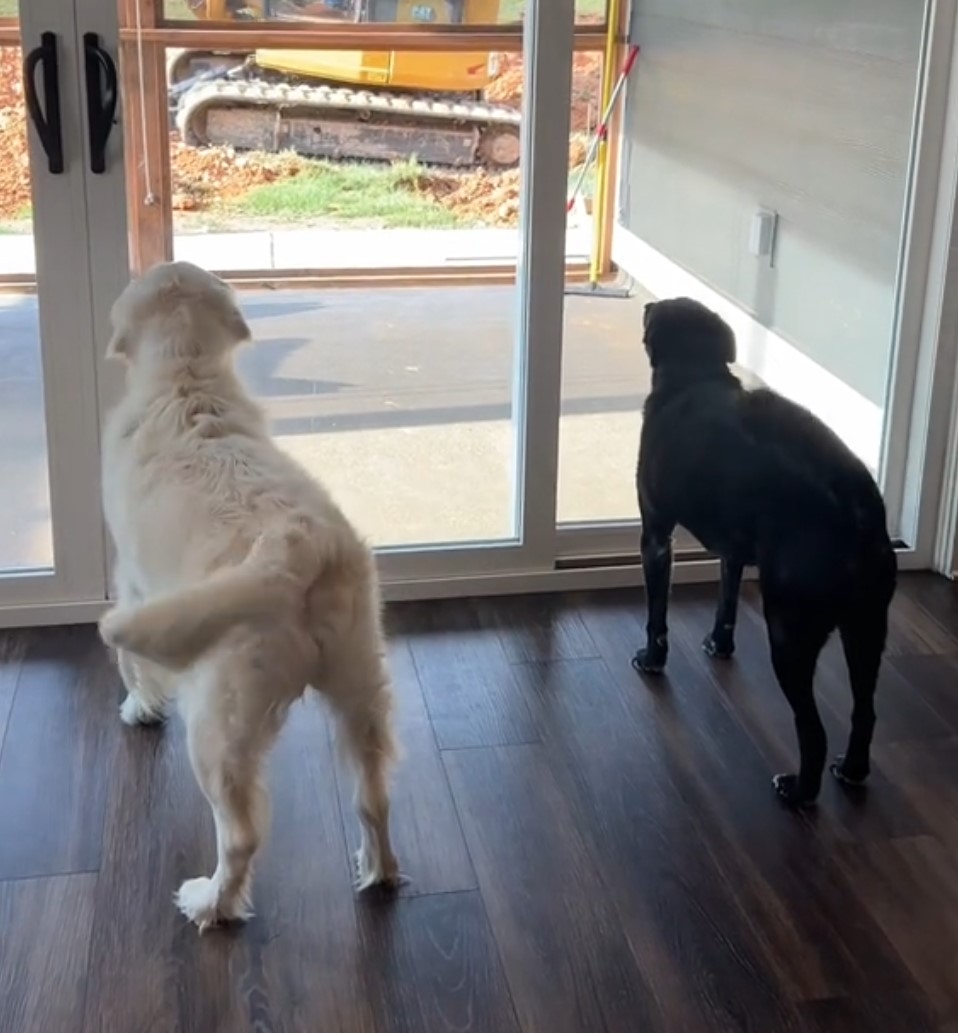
x=604 y=371
x=791 y=231
x=403 y=394
x=26 y=534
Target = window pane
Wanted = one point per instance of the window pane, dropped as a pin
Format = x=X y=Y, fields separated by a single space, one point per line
x=26 y=531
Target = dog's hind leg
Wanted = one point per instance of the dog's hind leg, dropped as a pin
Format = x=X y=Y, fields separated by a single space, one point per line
x=796 y=642
x=361 y=699
x=657 y=564
x=720 y=642
x=146 y=697
x=226 y=750
x=863 y=640
x=146 y=690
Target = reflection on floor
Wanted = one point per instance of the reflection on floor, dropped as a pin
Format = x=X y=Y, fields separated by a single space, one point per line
x=400 y=399
x=586 y=851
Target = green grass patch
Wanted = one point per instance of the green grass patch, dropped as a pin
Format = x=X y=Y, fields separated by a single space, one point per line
x=345 y=194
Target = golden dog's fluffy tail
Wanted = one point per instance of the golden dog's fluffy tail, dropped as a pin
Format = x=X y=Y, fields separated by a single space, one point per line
x=175 y=630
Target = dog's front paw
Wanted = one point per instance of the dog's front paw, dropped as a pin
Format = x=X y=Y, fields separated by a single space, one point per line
x=848 y=773
x=791 y=792
x=650 y=660
x=718 y=647
x=202 y=903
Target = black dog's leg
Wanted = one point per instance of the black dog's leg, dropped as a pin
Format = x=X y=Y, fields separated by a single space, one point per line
x=863 y=639
x=795 y=647
x=720 y=644
x=657 y=562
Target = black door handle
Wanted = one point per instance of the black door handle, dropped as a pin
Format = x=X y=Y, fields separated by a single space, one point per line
x=101 y=97
x=47 y=123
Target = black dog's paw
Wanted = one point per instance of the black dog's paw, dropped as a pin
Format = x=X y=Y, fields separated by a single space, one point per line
x=849 y=774
x=791 y=793
x=650 y=661
x=718 y=648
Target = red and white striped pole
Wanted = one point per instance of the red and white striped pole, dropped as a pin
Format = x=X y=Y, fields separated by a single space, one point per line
x=602 y=130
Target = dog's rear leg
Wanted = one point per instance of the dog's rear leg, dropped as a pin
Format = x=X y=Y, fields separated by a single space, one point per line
x=364 y=711
x=146 y=698
x=795 y=645
x=863 y=640
x=229 y=773
x=146 y=694
x=720 y=644
x=657 y=564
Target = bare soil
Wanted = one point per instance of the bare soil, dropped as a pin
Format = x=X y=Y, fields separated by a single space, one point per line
x=206 y=176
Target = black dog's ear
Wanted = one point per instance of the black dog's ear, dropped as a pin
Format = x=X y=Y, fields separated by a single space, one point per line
x=683 y=332
x=650 y=332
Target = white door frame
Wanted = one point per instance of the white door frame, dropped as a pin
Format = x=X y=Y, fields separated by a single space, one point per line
x=66 y=326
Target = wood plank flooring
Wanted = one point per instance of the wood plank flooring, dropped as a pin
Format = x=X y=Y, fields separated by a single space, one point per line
x=587 y=851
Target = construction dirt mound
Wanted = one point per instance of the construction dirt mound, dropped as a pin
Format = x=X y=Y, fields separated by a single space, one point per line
x=204 y=177
x=14 y=163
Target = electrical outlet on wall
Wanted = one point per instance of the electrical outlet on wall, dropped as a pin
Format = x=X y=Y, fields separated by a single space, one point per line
x=762 y=234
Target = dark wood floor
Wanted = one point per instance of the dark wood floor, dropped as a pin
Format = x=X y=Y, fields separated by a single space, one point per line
x=587 y=852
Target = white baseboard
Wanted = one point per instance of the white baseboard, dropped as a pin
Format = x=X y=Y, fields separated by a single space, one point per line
x=783 y=367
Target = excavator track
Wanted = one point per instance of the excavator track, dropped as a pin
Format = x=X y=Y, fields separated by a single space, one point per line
x=336 y=122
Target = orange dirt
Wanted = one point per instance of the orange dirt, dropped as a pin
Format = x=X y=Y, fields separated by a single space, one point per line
x=586 y=88
x=14 y=165
x=204 y=174
x=201 y=176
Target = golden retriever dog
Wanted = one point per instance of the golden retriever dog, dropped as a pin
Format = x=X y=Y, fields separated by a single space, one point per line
x=238 y=581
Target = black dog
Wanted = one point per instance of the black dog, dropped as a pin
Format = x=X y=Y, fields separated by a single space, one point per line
x=761 y=482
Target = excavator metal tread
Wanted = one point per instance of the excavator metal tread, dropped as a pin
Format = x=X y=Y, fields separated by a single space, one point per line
x=261 y=93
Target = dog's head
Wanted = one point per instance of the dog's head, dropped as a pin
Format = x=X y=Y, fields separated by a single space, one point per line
x=177 y=311
x=682 y=333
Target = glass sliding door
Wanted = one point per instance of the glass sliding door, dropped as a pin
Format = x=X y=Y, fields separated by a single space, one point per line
x=52 y=561
x=807 y=234
x=406 y=310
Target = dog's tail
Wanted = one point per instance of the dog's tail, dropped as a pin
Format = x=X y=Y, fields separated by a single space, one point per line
x=175 y=630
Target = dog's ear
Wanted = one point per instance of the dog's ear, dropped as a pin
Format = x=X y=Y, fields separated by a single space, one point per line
x=119 y=346
x=120 y=343
x=652 y=326
x=228 y=314
x=234 y=323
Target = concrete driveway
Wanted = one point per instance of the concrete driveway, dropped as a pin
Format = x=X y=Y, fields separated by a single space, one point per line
x=401 y=400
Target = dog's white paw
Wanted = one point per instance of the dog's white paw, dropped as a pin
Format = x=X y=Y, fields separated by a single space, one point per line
x=372 y=872
x=133 y=712
x=202 y=903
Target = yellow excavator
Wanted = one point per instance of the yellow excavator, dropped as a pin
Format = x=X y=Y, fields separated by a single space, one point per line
x=353 y=104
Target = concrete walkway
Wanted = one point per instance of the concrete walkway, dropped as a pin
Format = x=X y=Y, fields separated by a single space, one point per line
x=325 y=249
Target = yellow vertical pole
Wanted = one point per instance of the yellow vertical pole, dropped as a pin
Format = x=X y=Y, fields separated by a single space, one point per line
x=600 y=201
